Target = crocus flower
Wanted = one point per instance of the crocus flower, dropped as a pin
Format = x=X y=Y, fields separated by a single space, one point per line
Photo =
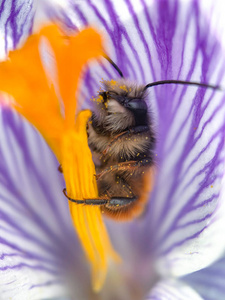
x=169 y=251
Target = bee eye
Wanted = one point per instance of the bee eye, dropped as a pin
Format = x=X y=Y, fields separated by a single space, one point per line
x=137 y=105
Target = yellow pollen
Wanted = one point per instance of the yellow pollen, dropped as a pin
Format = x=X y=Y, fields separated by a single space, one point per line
x=123 y=87
x=113 y=82
x=100 y=98
x=65 y=134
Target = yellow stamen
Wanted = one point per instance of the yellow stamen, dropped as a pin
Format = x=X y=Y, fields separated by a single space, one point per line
x=66 y=135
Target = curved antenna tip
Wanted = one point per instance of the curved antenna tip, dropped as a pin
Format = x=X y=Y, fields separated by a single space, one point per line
x=114 y=65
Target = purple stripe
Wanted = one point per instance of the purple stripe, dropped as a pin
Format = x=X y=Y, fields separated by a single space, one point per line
x=120 y=31
x=187 y=148
x=204 y=202
x=27 y=254
x=184 y=122
x=80 y=14
x=3 y=255
x=25 y=205
x=18 y=130
x=24 y=265
x=152 y=31
x=199 y=96
x=166 y=34
x=12 y=20
x=213 y=114
x=25 y=234
x=178 y=244
x=210 y=166
x=117 y=34
x=69 y=23
x=47 y=283
x=218 y=133
x=2 y=7
x=169 y=290
x=194 y=15
x=15 y=204
x=9 y=283
x=108 y=73
x=19 y=22
x=206 y=182
x=205 y=43
x=55 y=240
x=186 y=27
x=90 y=83
x=30 y=31
x=14 y=23
x=197 y=221
x=188 y=206
x=194 y=58
x=138 y=28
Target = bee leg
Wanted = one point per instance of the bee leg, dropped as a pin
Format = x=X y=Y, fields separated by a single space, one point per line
x=124 y=185
x=119 y=167
x=120 y=201
x=133 y=130
x=132 y=165
x=138 y=129
x=96 y=201
x=115 y=201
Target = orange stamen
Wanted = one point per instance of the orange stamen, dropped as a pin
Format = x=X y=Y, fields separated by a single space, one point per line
x=23 y=77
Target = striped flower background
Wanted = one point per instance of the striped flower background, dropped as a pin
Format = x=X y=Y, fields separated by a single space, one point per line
x=176 y=249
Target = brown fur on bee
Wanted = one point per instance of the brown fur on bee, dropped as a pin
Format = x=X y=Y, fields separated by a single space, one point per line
x=122 y=141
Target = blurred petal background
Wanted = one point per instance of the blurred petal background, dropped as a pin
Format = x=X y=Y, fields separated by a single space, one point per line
x=178 y=244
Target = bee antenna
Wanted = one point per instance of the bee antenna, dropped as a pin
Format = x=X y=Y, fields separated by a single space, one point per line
x=215 y=87
x=114 y=65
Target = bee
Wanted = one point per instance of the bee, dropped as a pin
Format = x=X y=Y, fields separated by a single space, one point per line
x=122 y=139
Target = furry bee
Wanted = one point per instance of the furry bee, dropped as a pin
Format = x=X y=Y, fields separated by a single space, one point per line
x=122 y=139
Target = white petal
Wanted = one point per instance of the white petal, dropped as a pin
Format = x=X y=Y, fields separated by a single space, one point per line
x=172 y=290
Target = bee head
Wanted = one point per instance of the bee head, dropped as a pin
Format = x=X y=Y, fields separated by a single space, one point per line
x=127 y=100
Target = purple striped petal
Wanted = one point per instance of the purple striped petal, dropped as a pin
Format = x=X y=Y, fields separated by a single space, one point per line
x=172 y=290
x=16 y=21
x=188 y=193
x=209 y=282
